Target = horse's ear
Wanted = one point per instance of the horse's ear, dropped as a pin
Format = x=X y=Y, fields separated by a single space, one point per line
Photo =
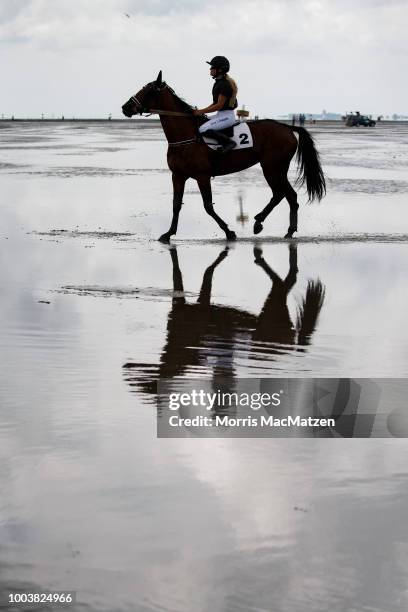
x=159 y=79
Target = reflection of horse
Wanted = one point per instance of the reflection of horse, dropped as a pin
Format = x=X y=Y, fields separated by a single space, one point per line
x=209 y=334
x=274 y=145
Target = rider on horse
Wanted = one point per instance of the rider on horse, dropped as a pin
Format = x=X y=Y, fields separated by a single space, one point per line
x=224 y=94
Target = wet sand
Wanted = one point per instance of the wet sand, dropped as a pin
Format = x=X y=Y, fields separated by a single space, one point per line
x=93 y=312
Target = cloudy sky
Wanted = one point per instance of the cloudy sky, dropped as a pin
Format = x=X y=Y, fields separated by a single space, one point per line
x=86 y=58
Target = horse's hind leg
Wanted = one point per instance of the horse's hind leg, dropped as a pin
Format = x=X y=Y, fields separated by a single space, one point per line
x=260 y=217
x=276 y=182
x=291 y=197
x=204 y=184
x=179 y=182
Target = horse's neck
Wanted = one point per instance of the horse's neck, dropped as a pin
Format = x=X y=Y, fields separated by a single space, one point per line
x=176 y=129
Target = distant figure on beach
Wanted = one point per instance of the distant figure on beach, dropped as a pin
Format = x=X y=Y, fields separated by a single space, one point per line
x=302 y=119
x=293 y=119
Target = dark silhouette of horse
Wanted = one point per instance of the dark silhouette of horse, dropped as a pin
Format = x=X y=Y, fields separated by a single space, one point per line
x=274 y=145
x=202 y=332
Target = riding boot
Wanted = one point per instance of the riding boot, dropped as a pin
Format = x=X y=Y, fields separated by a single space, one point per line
x=226 y=143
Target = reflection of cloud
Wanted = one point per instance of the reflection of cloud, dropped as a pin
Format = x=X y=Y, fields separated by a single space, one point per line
x=335 y=554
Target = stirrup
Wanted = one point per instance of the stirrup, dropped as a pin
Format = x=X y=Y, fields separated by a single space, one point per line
x=228 y=146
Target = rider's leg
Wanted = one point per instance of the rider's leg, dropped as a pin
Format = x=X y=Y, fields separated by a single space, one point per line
x=222 y=119
x=222 y=139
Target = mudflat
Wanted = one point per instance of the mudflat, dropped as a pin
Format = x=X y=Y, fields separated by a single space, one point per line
x=94 y=310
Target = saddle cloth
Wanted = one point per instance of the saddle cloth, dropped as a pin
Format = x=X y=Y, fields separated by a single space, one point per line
x=239 y=132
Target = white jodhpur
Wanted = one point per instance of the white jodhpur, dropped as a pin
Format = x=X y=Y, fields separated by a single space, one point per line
x=223 y=119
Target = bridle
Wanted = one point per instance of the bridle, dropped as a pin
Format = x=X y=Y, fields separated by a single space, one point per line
x=155 y=111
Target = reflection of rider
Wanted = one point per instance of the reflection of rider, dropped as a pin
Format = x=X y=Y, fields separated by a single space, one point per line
x=224 y=94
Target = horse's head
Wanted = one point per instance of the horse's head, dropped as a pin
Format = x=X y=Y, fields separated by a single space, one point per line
x=145 y=99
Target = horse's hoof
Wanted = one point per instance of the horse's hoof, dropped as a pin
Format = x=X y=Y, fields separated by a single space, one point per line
x=165 y=238
x=257 y=251
x=257 y=254
x=231 y=236
x=258 y=227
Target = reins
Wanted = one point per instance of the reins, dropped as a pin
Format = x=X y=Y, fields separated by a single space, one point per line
x=156 y=111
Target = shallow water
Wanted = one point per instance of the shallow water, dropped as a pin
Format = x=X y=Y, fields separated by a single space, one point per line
x=94 y=310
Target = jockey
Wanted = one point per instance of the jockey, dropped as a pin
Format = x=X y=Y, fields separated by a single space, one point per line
x=224 y=94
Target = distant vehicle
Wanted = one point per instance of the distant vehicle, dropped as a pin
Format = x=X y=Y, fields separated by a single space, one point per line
x=355 y=119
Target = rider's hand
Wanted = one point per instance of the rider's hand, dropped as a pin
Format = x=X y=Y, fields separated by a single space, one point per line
x=197 y=111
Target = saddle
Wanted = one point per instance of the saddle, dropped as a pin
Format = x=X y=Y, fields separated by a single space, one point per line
x=239 y=133
x=229 y=131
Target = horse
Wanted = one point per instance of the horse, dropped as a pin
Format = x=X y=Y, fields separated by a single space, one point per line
x=274 y=145
x=217 y=335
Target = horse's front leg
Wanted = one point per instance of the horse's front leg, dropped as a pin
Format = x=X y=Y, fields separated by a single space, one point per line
x=179 y=182
x=204 y=185
x=206 y=286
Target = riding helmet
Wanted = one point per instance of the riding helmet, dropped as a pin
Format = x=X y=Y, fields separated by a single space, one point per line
x=220 y=62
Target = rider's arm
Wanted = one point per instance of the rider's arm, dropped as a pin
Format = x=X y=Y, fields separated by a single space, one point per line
x=213 y=107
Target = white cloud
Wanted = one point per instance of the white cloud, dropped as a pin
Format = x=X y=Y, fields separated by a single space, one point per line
x=300 y=56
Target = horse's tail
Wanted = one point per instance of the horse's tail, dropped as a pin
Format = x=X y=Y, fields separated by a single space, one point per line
x=309 y=310
x=309 y=167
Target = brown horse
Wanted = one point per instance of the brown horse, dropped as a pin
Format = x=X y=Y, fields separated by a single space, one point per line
x=274 y=145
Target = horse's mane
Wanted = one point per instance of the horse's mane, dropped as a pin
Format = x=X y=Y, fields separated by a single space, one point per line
x=185 y=106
